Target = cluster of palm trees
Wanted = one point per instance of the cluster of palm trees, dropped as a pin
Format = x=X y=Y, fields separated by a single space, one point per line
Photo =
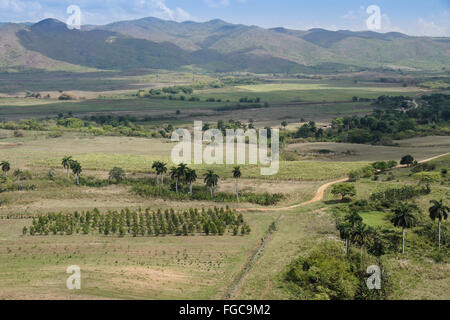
x=160 y=168
x=182 y=174
x=18 y=174
x=405 y=218
x=69 y=163
x=353 y=230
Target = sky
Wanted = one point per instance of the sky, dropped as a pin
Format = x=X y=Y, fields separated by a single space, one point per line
x=414 y=17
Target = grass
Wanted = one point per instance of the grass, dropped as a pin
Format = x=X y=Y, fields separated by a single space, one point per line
x=375 y=219
x=298 y=231
x=313 y=91
x=124 y=268
x=39 y=152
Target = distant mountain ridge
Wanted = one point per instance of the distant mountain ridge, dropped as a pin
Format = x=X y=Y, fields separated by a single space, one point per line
x=220 y=46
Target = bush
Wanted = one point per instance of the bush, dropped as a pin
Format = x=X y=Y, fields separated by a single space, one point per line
x=325 y=274
x=66 y=96
x=201 y=194
x=345 y=190
x=55 y=134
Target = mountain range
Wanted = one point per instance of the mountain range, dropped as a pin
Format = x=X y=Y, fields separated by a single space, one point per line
x=215 y=46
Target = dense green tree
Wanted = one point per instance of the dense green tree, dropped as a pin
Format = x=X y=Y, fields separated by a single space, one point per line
x=407 y=160
x=117 y=174
x=344 y=190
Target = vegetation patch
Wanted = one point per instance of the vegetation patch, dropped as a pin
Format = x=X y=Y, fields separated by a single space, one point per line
x=141 y=223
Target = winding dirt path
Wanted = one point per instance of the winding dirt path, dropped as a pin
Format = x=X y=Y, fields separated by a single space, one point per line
x=426 y=160
x=321 y=191
x=434 y=158
x=318 y=197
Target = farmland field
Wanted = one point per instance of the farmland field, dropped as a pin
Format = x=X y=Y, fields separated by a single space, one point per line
x=198 y=266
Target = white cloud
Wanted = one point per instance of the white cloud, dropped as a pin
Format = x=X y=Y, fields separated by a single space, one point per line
x=158 y=8
x=92 y=12
x=217 y=3
x=430 y=28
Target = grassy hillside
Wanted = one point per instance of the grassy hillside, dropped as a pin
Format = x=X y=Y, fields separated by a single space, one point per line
x=215 y=46
x=13 y=54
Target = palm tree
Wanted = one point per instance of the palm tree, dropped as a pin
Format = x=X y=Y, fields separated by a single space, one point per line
x=347 y=228
x=156 y=166
x=174 y=175
x=237 y=174
x=162 y=170
x=182 y=170
x=19 y=175
x=359 y=235
x=353 y=218
x=211 y=180
x=439 y=211
x=345 y=231
x=5 y=167
x=404 y=218
x=66 y=162
x=191 y=176
x=76 y=169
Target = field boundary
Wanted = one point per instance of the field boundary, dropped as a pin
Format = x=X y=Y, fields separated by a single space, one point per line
x=253 y=259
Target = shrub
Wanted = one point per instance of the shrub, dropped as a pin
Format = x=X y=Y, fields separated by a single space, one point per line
x=324 y=274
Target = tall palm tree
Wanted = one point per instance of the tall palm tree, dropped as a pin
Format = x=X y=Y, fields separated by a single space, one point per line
x=66 y=162
x=359 y=234
x=211 y=180
x=353 y=218
x=157 y=167
x=174 y=175
x=404 y=217
x=191 y=176
x=162 y=171
x=182 y=171
x=345 y=231
x=237 y=174
x=5 y=167
x=76 y=169
x=439 y=211
x=19 y=175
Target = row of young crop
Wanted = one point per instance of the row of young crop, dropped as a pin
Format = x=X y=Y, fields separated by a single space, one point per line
x=141 y=223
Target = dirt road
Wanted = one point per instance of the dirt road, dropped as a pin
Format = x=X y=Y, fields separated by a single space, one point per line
x=321 y=191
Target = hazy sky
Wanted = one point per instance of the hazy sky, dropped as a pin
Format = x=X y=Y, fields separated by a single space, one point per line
x=417 y=17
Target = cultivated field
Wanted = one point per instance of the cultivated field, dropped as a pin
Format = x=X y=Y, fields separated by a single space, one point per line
x=198 y=266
